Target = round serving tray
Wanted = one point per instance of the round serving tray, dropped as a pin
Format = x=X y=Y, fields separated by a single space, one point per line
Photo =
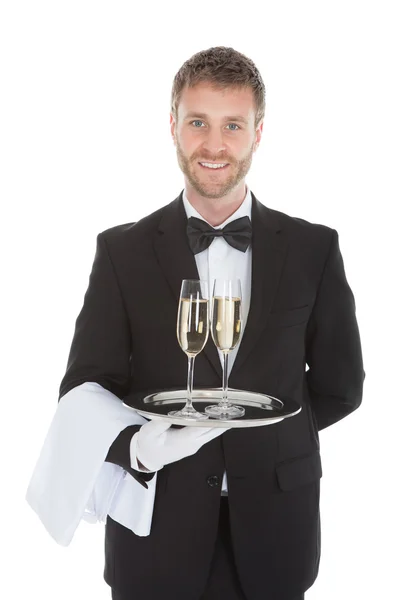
x=261 y=409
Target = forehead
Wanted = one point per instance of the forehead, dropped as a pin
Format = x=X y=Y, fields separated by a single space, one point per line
x=216 y=102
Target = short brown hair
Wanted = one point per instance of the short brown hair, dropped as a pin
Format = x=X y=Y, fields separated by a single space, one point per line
x=224 y=68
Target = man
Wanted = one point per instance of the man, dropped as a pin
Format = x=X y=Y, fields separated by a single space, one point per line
x=235 y=514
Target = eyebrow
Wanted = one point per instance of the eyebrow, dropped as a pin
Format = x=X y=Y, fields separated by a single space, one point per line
x=192 y=115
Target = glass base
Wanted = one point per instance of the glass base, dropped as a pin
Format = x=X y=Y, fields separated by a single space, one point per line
x=187 y=413
x=216 y=411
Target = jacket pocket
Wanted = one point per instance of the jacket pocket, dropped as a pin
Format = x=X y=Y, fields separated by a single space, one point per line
x=288 y=318
x=296 y=472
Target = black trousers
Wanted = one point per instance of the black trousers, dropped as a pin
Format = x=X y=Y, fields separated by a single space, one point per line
x=223 y=582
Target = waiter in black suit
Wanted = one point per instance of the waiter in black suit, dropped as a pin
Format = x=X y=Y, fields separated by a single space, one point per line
x=237 y=519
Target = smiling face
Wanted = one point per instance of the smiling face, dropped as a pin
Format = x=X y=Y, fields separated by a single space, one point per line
x=215 y=126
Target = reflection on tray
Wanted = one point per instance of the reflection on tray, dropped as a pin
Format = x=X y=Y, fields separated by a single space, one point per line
x=261 y=409
x=262 y=401
x=161 y=402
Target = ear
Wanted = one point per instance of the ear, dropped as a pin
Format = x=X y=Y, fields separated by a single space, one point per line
x=172 y=123
x=258 y=135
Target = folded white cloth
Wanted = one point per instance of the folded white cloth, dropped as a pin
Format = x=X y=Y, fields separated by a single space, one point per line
x=71 y=480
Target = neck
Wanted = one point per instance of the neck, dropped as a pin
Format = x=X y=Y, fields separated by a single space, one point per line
x=216 y=210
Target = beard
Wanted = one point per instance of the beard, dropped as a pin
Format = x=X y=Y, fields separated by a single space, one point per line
x=220 y=186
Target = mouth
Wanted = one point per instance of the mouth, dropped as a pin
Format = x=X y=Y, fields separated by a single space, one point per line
x=214 y=167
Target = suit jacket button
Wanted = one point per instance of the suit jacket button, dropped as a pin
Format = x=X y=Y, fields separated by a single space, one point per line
x=213 y=481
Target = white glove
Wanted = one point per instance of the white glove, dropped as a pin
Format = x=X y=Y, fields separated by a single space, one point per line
x=156 y=445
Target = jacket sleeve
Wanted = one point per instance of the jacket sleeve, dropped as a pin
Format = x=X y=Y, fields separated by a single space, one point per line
x=333 y=349
x=119 y=454
x=101 y=348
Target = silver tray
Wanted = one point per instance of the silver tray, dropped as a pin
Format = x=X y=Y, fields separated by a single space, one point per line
x=261 y=409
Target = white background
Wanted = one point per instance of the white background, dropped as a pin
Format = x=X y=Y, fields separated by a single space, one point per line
x=85 y=145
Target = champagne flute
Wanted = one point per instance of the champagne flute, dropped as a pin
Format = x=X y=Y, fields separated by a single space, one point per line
x=192 y=329
x=226 y=325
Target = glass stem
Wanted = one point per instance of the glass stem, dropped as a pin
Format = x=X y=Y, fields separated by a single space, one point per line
x=224 y=401
x=189 y=405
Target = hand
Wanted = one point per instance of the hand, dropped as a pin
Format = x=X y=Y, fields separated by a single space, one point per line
x=158 y=445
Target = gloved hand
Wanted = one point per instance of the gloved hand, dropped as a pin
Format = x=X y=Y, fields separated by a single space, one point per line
x=156 y=444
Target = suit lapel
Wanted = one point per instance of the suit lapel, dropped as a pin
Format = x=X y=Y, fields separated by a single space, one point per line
x=268 y=257
x=177 y=260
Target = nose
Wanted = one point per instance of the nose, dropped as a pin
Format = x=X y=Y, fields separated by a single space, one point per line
x=214 y=143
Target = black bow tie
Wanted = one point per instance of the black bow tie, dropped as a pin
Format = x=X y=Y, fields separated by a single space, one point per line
x=237 y=233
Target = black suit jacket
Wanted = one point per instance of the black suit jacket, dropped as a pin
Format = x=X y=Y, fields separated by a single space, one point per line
x=302 y=313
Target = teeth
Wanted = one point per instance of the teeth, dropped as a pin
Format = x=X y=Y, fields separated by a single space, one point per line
x=211 y=166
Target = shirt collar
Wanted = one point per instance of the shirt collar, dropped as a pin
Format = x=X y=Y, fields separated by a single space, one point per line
x=244 y=209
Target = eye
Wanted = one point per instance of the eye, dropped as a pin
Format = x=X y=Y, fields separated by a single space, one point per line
x=229 y=125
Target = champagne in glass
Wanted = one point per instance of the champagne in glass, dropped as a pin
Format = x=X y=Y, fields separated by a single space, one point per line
x=192 y=329
x=226 y=328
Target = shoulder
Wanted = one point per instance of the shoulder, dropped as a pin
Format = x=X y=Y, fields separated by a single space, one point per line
x=299 y=231
x=301 y=226
x=135 y=239
x=132 y=230
x=136 y=234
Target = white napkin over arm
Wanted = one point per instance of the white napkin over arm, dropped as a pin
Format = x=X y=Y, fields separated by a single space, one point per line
x=71 y=480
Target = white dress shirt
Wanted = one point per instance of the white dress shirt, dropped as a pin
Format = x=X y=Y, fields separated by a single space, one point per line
x=221 y=261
